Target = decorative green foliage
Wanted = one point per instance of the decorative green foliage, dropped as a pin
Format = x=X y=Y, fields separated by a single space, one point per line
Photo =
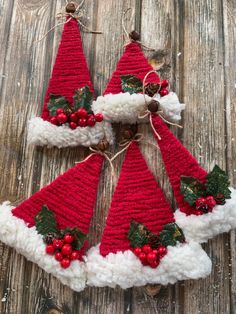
x=191 y=189
x=217 y=182
x=171 y=234
x=80 y=237
x=46 y=225
x=131 y=84
x=45 y=222
x=56 y=102
x=138 y=234
x=83 y=99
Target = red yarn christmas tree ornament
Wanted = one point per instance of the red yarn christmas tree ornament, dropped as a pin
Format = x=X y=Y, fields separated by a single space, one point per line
x=70 y=74
x=127 y=105
x=179 y=162
x=71 y=198
x=132 y=62
x=139 y=199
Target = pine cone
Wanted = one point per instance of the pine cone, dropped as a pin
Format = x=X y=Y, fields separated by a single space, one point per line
x=151 y=89
x=204 y=208
x=48 y=238
x=154 y=241
x=220 y=199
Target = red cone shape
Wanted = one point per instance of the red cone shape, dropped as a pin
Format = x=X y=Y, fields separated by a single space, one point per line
x=133 y=62
x=71 y=197
x=137 y=198
x=70 y=71
x=178 y=161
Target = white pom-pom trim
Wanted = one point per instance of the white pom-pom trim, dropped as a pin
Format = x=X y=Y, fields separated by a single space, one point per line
x=127 y=108
x=201 y=228
x=184 y=261
x=14 y=232
x=44 y=133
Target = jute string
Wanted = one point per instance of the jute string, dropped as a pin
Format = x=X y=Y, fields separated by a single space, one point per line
x=77 y=15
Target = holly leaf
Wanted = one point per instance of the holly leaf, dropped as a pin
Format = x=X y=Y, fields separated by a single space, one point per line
x=217 y=181
x=56 y=102
x=131 y=84
x=80 y=237
x=45 y=222
x=83 y=99
x=191 y=189
x=171 y=234
x=138 y=234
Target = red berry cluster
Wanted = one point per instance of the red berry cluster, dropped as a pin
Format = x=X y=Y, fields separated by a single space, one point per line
x=62 y=250
x=205 y=205
x=78 y=118
x=164 y=91
x=149 y=256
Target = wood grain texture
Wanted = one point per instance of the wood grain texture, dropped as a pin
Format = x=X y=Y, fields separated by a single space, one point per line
x=198 y=38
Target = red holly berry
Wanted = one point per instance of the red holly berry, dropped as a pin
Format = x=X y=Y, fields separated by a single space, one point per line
x=50 y=249
x=142 y=257
x=211 y=202
x=146 y=248
x=58 y=257
x=75 y=255
x=54 y=120
x=91 y=120
x=98 y=117
x=62 y=118
x=162 y=250
x=164 y=83
x=155 y=252
x=68 y=238
x=82 y=122
x=73 y=117
x=82 y=113
x=154 y=264
x=73 y=125
x=65 y=263
x=151 y=257
x=137 y=251
x=198 y=213
x=57 y=243
x=59 y=110
x=201 y=201
x=66 y=249
x=163 y=92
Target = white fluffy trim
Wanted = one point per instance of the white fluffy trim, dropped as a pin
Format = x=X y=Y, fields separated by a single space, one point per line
x=184 y=261
x=201 y=228
x=14 y=232
x=44 y=133
x=127 y=108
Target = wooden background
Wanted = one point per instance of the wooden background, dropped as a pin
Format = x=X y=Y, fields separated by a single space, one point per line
x=198 y=38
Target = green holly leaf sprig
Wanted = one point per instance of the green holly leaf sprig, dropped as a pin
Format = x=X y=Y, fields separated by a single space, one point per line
x=131 y=84
x=83 y=98
x=216 y=185
x=45 y=223
x=139 y=235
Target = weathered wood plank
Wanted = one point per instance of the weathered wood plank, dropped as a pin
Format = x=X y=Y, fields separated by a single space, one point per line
x=229 y=24
x=204 y=134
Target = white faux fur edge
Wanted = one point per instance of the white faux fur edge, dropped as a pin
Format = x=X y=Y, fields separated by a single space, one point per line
x=201 y=228
x=44 y=133
x=15 y=233
x=126 y=108
x=184 y=261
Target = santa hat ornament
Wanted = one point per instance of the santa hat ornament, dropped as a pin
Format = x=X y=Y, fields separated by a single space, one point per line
x=67 y=118
x=51 y=227
x=123 y=99
x=141 y=242
x=207 y=204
